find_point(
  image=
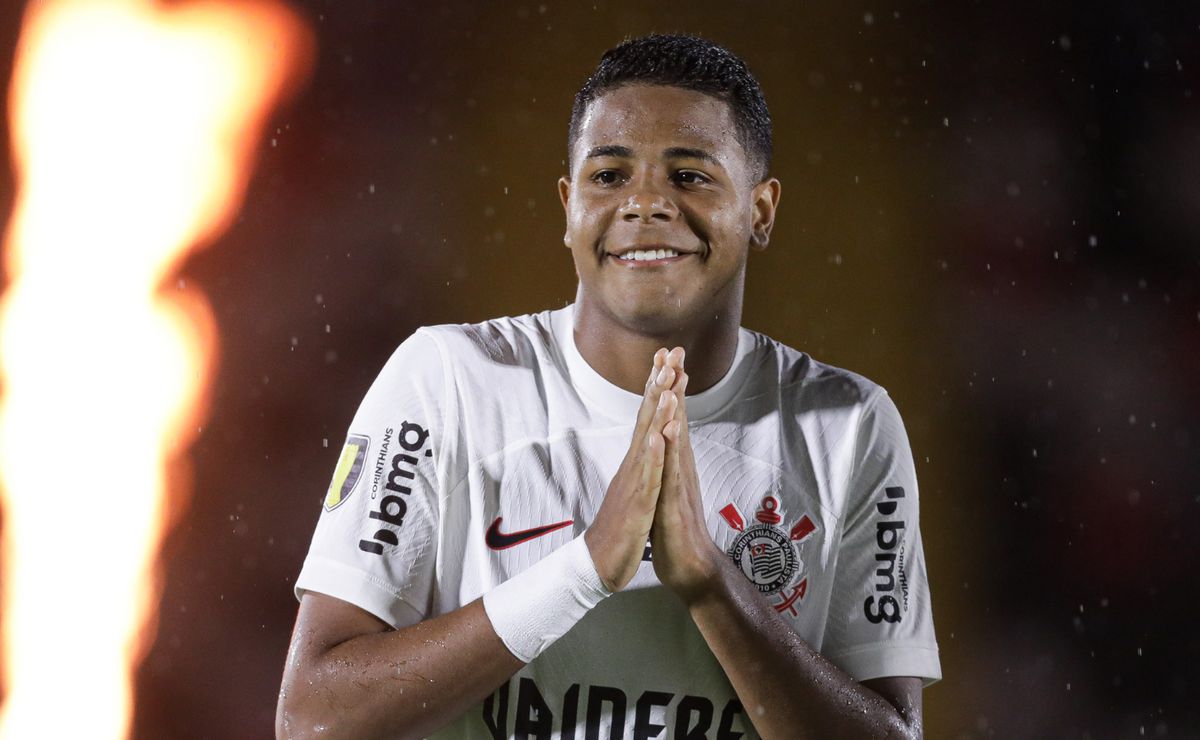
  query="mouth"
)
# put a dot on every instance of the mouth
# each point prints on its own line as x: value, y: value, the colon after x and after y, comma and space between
x: 648, y: 256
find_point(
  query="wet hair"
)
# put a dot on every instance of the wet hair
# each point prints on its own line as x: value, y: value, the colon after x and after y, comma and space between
x: 691, y: 63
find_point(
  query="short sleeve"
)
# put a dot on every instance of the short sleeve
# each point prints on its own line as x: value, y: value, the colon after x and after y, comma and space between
x: 375, y: 543
x: 880, y: 621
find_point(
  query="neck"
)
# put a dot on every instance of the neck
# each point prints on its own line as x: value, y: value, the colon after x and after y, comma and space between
x: 623, y: 355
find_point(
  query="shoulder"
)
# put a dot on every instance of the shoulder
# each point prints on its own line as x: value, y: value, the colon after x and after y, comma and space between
x: 507, y: 340
x: 807, y: 382
x: 514, y: 354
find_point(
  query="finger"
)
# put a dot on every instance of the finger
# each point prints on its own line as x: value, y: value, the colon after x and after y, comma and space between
x: 664, y: 411
x: 666, y: 509
x: 668, y: 403
x: 681, y: 433
x: 661, y: 378
x: 675, y: 358
x: 652, y: 463
x: 671, y: 435
x: 656, y: 364
x: 680, y: 390
x: 652, y: 467
x: 677, y: 458
x: 680, y: 383
x: 671, y: 429
x: 671, y: 454
x: 649, y: 399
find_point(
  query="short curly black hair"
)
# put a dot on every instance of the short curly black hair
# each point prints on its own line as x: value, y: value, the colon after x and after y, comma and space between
x: 692, y: 63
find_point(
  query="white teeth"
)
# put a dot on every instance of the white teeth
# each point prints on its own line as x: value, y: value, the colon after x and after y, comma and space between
x: 649, y: 254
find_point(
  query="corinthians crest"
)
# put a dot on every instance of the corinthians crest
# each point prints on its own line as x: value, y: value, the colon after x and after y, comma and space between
x: 765, y: 551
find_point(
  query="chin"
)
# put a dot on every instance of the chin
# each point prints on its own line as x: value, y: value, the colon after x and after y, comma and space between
x: 653, y: 319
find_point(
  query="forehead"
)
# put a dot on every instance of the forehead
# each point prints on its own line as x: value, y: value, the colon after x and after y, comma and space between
x: 657, y: 117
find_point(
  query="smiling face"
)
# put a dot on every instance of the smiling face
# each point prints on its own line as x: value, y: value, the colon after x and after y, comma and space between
x: 661, y: 210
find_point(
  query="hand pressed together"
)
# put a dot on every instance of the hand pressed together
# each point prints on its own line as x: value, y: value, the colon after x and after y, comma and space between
x: 685, y: 557
x: 655, y: 494
x: 617, y: 537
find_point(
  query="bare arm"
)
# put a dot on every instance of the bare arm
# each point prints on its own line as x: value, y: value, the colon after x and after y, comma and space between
x: 787, y: 688
x: 348, y: 674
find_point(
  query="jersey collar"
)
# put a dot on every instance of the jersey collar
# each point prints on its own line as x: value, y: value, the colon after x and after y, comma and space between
x: 620, y: 404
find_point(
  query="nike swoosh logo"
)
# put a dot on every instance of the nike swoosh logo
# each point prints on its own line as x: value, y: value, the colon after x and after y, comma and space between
x: 498, y: 540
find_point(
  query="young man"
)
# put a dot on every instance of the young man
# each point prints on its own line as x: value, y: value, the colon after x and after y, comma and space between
x: 527, y: 537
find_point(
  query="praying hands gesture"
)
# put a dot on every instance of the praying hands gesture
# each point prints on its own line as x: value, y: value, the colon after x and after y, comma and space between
x: 685, y: 557
x: 656, y: 495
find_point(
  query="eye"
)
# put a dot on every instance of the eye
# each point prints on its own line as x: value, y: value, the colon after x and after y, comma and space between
x: 606, y: 177
x: 691, y: 177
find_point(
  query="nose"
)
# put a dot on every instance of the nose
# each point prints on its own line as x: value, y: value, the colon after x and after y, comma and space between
x: 647, y: 204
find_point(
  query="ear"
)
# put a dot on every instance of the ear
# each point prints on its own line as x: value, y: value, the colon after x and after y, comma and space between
x: 564, y: 194
x: 564, y: 191
x: 765, y: 199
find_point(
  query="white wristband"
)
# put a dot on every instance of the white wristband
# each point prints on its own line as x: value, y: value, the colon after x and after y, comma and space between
x: 538, y: 605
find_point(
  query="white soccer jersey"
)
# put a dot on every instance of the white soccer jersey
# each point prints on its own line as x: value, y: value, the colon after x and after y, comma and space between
x: 481, y: 449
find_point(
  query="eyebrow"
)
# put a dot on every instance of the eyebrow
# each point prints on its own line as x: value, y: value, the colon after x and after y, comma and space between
x: 675, y: 152
x: 682, y: 152
x: 611, y: 150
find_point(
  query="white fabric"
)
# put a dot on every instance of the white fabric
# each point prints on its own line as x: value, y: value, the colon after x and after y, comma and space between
x: 534, y: 608
x: 801, y: 465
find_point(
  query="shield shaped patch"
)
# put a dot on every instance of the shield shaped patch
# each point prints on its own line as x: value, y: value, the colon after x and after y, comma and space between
x: 348, y: 471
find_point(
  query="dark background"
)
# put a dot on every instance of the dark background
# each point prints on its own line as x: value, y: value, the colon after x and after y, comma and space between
x: 993, y: 210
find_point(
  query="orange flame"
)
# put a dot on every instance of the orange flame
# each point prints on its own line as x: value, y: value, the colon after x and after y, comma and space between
x: 134, y: 127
